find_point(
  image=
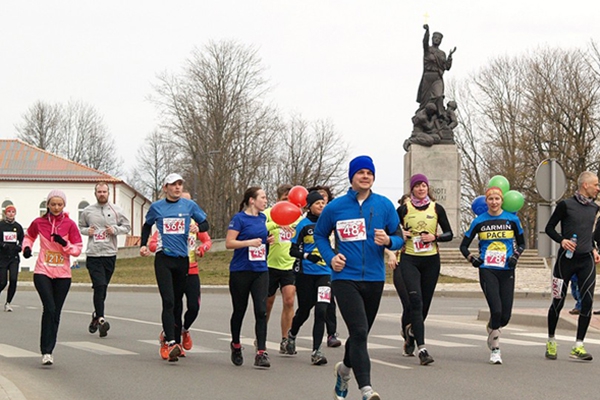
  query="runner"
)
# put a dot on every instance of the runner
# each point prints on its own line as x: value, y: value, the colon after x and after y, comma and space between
x: 247, y: 235
x: 172, y: 217
x: 11, y: 240
x: 501, y: 243
x: 313, y: 280
x: 101, y: 222
x: 331, y: 318
x: 420, y: 261
x: 364, y: 223
x: 393, y: 258
x: 59, y: 239
x: 192, y: 285
x: 281, y: 269
x: 576, y: 216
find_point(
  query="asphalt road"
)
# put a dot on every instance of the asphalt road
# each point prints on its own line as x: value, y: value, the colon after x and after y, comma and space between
x: 126, y: 364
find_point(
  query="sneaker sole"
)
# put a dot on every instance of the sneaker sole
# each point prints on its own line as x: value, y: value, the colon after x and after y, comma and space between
x: 104, y: 329
x: 174, y: 354
x: 320, y: 362
x: 574, y: 357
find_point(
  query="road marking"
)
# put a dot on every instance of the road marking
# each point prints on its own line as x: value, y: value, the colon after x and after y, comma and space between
x: 194, y: 350
x: 433, y: 342
x: 97, y: 348
x: 387, y: 364
x: 502, y: 339
x: 9, y: 351
x: 557, y: 337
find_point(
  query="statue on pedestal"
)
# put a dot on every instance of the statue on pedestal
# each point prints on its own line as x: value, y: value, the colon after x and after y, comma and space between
x: 433, y: 123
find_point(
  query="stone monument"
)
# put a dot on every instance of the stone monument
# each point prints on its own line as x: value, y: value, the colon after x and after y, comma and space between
x: 431, y: 149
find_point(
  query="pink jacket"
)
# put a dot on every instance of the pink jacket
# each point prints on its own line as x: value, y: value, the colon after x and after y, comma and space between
x: 54, y: 259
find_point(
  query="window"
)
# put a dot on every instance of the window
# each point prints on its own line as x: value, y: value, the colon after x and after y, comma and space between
x: 81, y: 207
x: 43, y: 208
x: 5, y: 204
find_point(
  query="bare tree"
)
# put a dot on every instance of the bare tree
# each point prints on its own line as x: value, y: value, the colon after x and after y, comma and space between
x: 155, y: 159
x: 75, y: 131
x: 518, y: 111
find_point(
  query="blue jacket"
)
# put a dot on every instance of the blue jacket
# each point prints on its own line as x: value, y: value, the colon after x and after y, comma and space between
x: 354, y: 225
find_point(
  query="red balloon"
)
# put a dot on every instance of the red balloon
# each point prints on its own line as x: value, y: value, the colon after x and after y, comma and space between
x: 285, y: 213
x: 297, y: 196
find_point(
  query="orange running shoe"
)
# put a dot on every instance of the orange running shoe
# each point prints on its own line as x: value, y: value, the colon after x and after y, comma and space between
x: 182, y: 354
x: 186, y: 340
x: 164, y: 350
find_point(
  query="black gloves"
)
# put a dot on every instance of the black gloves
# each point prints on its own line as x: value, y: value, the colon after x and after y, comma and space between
x: 314, y: 258
x: 27, y: 252
x: 476, y: 262
x: 58, y: 239
x: 512, y: 261
x: 18, y: 248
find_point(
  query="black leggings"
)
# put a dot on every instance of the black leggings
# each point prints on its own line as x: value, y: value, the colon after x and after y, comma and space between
x: 9, y: 267
x: 171, y: 276
x: 307, y: 291
x: 358, y: 303
x: 404, y: 299
x: 420, y: 274
x: 241, y: 285
x: 192, y: 298
x: 583, y: 266
x: 498, y: 287
x: 101, y: 270
x: 331, y: 319
x: 53, y: 293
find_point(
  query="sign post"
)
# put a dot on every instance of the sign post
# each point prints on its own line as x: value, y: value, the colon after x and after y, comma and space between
x: 551, y: 183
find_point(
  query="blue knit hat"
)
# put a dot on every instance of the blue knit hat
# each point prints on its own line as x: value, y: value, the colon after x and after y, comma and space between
x: 360, y: 162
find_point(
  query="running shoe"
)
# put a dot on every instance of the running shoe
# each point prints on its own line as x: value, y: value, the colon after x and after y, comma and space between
x: 579, y: 353
x: 164, y: 350
x: 262, y: 360
x: 283, y: 346
x: 371, y: 395
x: 174, y: 352
x: 333, y: 341
x: 182, y: 354
x: 495, y: 357
x: 7, y: 307
x: 551, y: 350
x: 290, y: 346
x: 574, y: 311
x: 318, y: 358
x: 236, y: 355
x: 94, y: 324
x: 424, y: 357
x: 47, y: 359
x: 341, y: 383
x: 103, y: 326
x: 186, y: 339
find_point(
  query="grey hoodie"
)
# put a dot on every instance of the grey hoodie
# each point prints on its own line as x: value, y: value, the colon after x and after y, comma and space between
x: 101, y: 244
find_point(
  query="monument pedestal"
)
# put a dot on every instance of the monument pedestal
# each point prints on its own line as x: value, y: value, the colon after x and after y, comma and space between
x: 441, y: 164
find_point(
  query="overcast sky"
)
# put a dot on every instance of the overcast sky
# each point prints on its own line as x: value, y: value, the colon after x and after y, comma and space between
x: 355, y: 63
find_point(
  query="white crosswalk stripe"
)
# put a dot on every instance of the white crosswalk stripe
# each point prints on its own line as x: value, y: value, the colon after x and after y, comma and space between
x: 557, y: 337
x: 194, y: 350
x: 9, y: 351
x: 433, y: 342
x: 97, y: 348
x: 503, y: 340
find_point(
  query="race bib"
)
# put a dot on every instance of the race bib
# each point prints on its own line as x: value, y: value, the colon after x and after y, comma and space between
x: 351, y: 230
x: 495, y: 258
x: 10, y: 237
x: 100, y: 236
x: 285, y: 236
x: 257, y: 253
x: 174, y: 226
x: 54, y: 259
x: 324, y: 294
x: 420, y: 246
x: 557, y: 286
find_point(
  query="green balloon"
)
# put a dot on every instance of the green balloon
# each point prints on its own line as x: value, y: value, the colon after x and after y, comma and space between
x: 500, y: 182
x: 513, y: 201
